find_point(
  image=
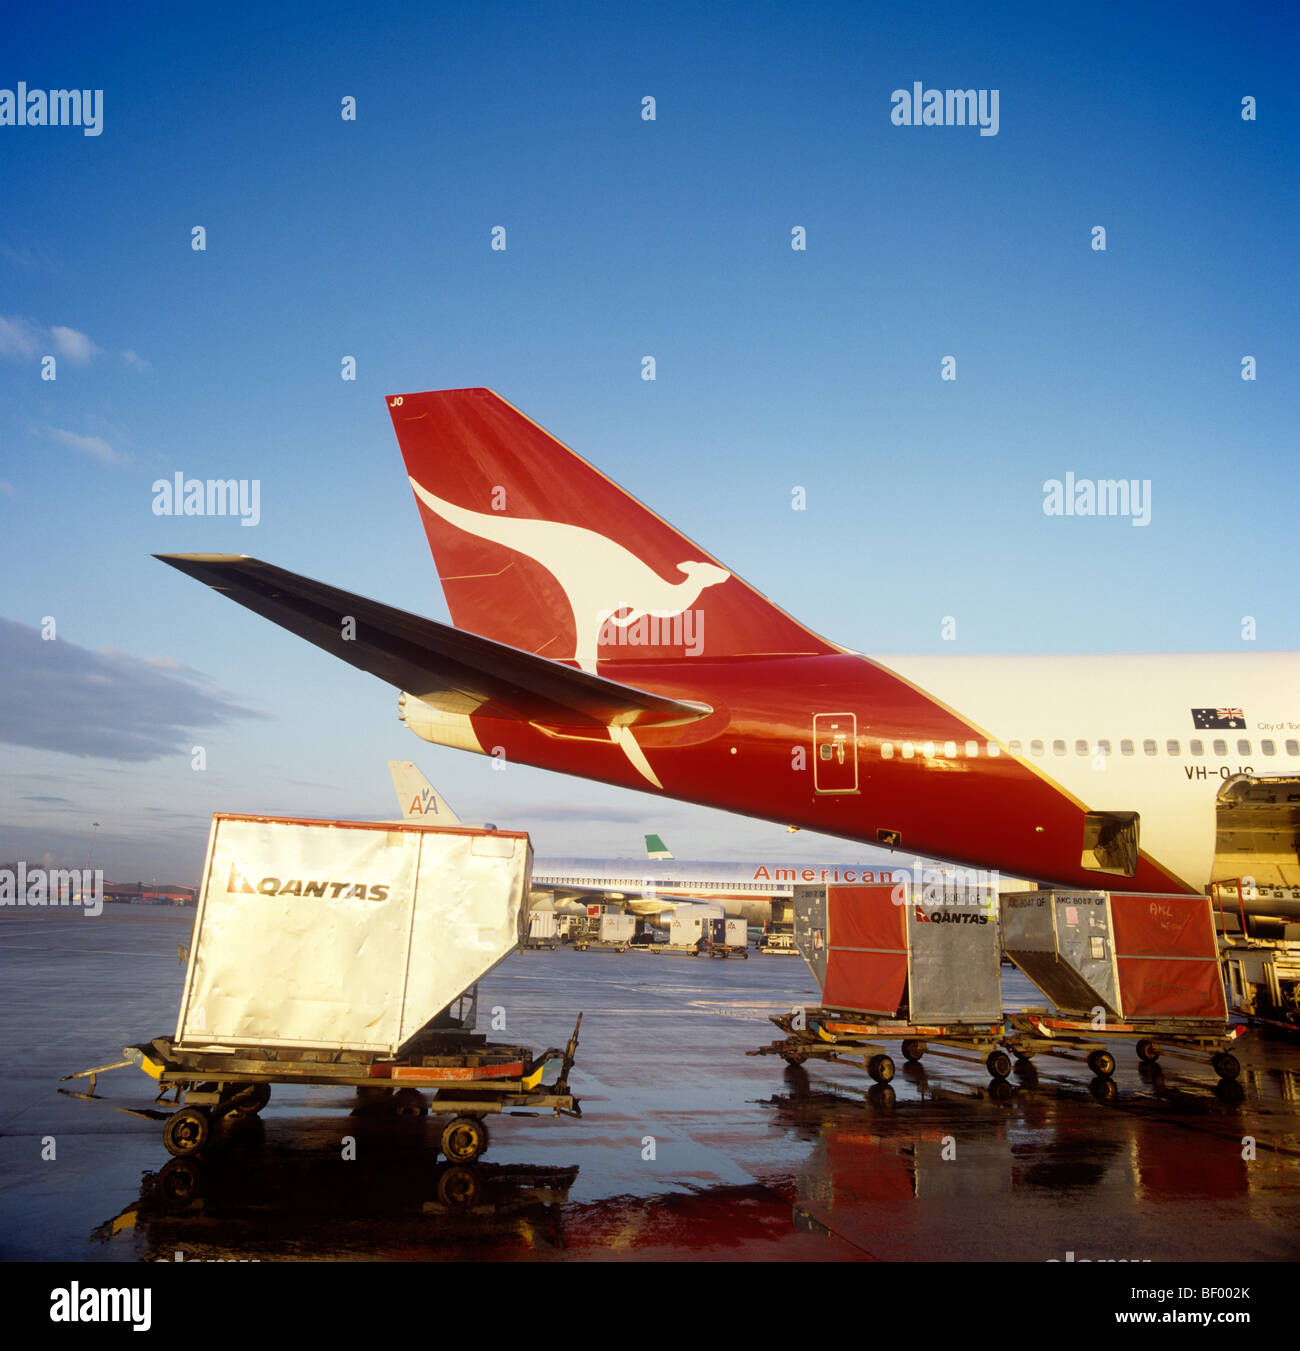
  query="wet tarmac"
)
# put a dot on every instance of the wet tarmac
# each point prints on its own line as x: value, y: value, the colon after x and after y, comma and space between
x: 687, y: 1146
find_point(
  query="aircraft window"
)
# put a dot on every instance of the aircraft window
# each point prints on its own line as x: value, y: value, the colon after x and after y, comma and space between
x: 886, y: 750
x: 1220, y: 746
x: 1243, y: 748
x: 908, y: 750
x: 1126, y: 747
x: 1173, y: 748
x: 1058, y: 747
x: 1196, y: 747
x: 1268, y: 747
x: 1103, y: 748
x: 1014, y: 747
x: 928, y: 750
x: 1081, y: 748
x: 826, y: 751
x: 1035, y: 748
x: 972, y: 748
x: 993, y: 749
x: 950, y: 749
x: 1149, y: 747
x: 1293, y: 747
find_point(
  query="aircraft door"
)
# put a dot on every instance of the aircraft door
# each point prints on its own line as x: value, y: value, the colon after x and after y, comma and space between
x: 835, y: 752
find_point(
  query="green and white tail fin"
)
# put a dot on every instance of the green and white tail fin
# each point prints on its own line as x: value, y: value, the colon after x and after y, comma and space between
x: 655, y: 847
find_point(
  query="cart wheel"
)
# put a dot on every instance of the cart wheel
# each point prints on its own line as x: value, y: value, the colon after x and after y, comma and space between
x: 458, y: 1188
x: 999, y: 1064
x: 1148, y: 1051
x: 186, y: 1132
x: 881, y: 1068
x: 913, y: 1049
x: 1226, y: 1064
x: 464, y: 1139
x: 1101, y: 1063
x: 409, y: 1102
x: 793, y: 1057
x: 252, y: 1100
x: 180, y: 1181
x: 882, y: 1096
x: 1230, y: 1092
x: 1104, y: 1090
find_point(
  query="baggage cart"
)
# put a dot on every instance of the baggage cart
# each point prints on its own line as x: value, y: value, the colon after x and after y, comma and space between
x: 916, y: 964
x: 347, y: 953
x: 1118, y: 965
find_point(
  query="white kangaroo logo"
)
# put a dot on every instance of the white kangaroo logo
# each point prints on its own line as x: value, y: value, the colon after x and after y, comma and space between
x: 589, y: 568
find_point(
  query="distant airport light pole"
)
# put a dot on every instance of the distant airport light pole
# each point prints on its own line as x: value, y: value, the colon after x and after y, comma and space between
x: 94, y: 827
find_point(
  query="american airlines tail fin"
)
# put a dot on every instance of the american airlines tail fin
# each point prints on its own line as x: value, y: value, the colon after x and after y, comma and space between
x: 418, y: 799
x: 537, y: 549
x: 655, y: 847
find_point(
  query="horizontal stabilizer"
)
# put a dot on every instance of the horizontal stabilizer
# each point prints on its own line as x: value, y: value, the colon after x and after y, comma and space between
x: 446, y: 667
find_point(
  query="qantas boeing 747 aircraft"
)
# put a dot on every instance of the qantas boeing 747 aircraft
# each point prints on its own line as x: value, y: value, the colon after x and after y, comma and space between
x: 592, y: 638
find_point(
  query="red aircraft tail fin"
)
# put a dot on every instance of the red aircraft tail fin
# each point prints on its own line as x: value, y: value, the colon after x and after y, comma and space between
x: 538, y: 549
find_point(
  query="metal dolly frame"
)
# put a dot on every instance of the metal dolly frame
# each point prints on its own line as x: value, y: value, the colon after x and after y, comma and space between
x: 214, y: 1084
x: 830, y: 1035
x: 1041, y: 1032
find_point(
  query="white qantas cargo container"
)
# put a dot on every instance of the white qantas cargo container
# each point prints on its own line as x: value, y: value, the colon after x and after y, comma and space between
x: 345, y: 934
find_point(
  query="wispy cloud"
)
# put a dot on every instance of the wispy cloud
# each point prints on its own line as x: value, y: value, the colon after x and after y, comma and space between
x: 73, y: 345
x: 23, y: 339
x: 107, y: 705
x: 19, y: 339
x: 87, y: 445
x: 8, y: 490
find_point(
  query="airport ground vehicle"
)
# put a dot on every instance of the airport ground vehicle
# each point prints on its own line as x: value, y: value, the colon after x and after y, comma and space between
x: 896, y: 964
x: 1121, y: 966
x: 347, y: 953
x: 921, y: 965
x: 542, y: 931
x: 725, y: 938
x: 468, y: 1078
x: 612, y: 932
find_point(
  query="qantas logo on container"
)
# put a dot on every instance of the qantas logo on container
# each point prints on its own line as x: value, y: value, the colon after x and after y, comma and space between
x: 943, y: 917
x: 294, y: 886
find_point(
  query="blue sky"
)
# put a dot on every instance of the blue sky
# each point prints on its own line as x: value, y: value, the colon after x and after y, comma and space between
x: 625, y: 238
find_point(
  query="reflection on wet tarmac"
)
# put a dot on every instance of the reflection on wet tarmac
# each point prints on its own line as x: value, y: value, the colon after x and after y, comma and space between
x: 252, y: 1202
x: 688, y: 1147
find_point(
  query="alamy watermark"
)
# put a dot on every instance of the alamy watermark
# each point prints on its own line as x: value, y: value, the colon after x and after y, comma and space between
x: 921, y: 107
x: 652, y: 628
x: 1098, y: 497
x: 945, y: 886
x: 53, y: 886
x: 181, y: 496
x: 23, y: 107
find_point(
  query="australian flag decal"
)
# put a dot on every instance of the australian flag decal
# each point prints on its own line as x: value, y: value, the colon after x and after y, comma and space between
x: 1228, y: 719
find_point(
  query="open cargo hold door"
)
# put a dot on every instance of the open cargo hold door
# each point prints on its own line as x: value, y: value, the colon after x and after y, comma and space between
x: 1257, y: 849
x: 1167, y: 957
x: 866, y: 950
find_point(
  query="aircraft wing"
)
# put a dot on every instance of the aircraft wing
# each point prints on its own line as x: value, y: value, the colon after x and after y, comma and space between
x: 446, y: 667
